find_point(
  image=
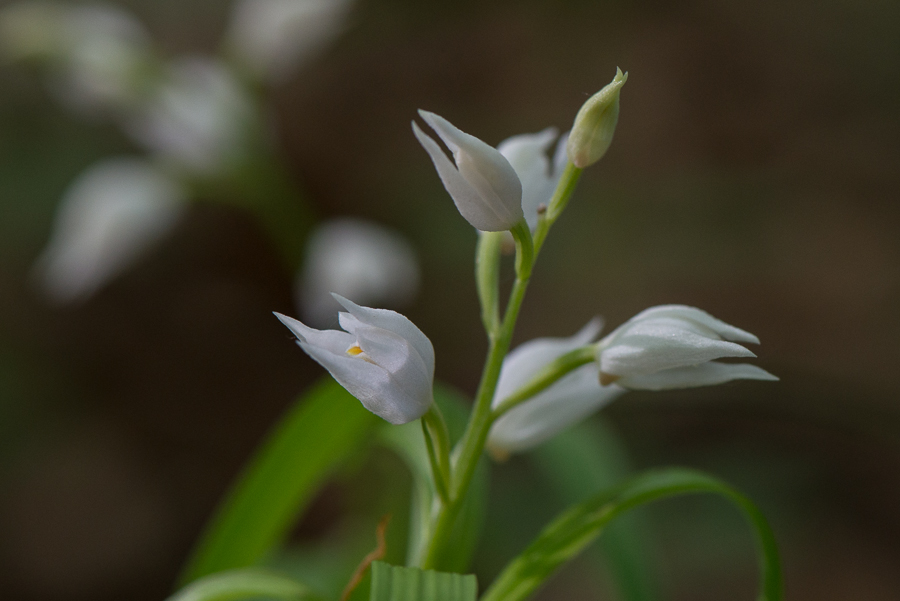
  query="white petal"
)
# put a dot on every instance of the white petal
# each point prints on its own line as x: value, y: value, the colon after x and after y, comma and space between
x: 523, y: 362
x: 567, y: 402
x: 371, y: 384
x: 396, y: 323
x: 360, y: 260
x: 496, y: 185
x: 724, y: 330
x: 271, y: 37
x: 106, y: 220
x: 662, y: 343
x: 706, y: 374
x: 334, y: 341
x: 527, y: 153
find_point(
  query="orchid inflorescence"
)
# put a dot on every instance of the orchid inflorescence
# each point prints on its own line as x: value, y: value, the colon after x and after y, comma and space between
x: 546, y: 385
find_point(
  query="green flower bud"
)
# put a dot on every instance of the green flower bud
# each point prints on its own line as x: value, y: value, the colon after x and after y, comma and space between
x: 595, y: 123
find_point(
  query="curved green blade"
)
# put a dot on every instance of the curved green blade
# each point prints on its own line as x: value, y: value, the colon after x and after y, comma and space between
x: 250, y: 583
x: 324, y: 427
x: 566, y: 536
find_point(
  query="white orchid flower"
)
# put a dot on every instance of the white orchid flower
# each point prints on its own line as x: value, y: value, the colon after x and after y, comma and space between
x: 566, y: 402
x: 272, y: 37
x: 96, y: 54
x: 360, y: 260
x: 527, y: 153
x: 198, y: 118
x: 482, y: 183
x: 382, y: 359
x: 108, y: 217
x: 674, y: 346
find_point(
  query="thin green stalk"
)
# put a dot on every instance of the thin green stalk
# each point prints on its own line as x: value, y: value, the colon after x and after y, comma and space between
x: 437, y: 441
x: 470, y: 448
x: 551, y: 372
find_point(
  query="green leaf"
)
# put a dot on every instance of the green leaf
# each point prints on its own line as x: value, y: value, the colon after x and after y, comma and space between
x: 323, y: 428
x: 409, y: 443
x: 581, y: 462
x: 251, y: 583
x: 566, y: 536
x: 394, y: 583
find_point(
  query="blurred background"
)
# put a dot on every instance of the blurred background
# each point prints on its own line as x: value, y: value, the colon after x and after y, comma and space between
x: 754, y: 174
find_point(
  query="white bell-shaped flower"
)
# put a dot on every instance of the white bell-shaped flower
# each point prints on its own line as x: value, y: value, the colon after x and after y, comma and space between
x: 381, y: 358
x: 566, y: 402
x: 482, y: 183
x: 199, y: 118
x: 271, y: 37
x: 360, y: 260
x: 527, y: 153
x: 674, y: 346
x: 108, y: 217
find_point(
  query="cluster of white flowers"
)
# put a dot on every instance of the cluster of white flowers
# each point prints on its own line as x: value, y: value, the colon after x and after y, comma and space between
x: 389, y: 367
x: 196, y: 117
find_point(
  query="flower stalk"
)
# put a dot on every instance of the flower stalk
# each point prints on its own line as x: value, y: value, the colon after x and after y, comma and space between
x: 470, y: 448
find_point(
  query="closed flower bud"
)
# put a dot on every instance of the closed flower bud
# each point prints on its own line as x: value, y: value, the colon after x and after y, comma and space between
x: 674, y: 346
x: 482, y: 183
x: 595, y: 124
x: 566, y: 402
x: 381, y: 358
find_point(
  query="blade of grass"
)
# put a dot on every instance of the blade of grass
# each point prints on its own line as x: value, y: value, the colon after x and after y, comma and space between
x: 324, y: 427
x: 567, y: 536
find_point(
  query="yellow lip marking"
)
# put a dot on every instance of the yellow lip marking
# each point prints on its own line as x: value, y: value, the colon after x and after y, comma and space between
x: 354, y: 350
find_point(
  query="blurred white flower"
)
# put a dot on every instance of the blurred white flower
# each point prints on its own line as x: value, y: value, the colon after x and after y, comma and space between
x: 272, y: 37
x: 359, y: 260
x: 674, y: 346
x: 199, y: 117
x: 382, y: 359
x: 566, y: 402
x: 527, y: 153
x: 482, y: 184
x: 96, y: 54
x: 108, y: 217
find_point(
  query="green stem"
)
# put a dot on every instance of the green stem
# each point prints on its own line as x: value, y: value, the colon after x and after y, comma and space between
x: 470, y: 448
x: 487, y: 279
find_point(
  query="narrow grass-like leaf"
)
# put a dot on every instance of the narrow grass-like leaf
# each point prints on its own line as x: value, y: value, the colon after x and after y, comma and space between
x: 581, y: 462
x: 566, y: 536
x: 249, y: 583
x: 395, y: 583
x: 325, y: 426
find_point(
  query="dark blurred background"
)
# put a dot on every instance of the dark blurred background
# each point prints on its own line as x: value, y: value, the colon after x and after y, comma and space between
x: 754, y: 174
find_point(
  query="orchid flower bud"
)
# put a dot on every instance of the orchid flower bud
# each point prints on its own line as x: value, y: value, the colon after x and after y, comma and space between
x: 271, y: 37
x: 381, y: 358
x: 566, y: 402
x: 482, y: 183
x: 107, y: 219
x: 527, y: 153
x: 595, y: 124
x: 674, y: 346
x: 359, y: 260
